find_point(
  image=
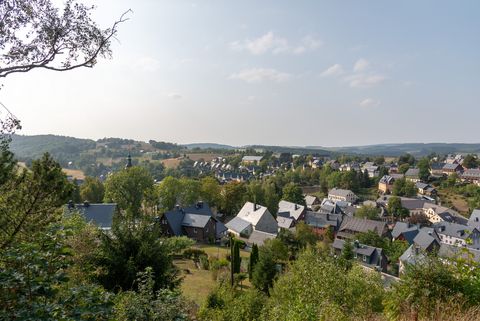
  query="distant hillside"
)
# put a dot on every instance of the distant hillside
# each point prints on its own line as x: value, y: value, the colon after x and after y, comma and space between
x: 209, y: 146
x: 416, y: 149
x: 32, y: 147
x: 293, y: 149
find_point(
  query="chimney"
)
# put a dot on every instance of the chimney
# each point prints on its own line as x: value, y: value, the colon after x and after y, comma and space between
x: 254, y: 207
x: 71, y: 205
x: 199, y: 204
x: 356, y: 244
x: 86, y: 203
x: 417, y: 250
x: 296, y: 207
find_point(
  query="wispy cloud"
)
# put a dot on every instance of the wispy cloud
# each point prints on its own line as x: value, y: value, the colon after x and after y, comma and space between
x: 361, y: 65
x: 147, y: 64
x: 364, y: 80
x: 271, y: 43
x: 174, y: 95
x: 369, y: 102
x: 335, y: 70
x: 258, y: 75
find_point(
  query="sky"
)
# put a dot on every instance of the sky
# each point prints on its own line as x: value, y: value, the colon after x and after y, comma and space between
x: 290, y: 73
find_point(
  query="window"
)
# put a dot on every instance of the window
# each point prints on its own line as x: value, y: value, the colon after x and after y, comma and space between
x: 355, y: 255
x: 194, y: 231
x: 364, y: 258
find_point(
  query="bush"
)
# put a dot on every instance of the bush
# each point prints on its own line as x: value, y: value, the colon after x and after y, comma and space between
x: 193, y: 253
x: 204, y: 263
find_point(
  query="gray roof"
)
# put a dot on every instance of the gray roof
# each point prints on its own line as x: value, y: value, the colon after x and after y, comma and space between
x: 285, y: 222
x: 426, y: 237
x: 252, y: 158
x: 473, y: 173
x: 374, y: 253
x: 410, y: 257
x: 294, y: 210
x: 340, y: 192
x: 453, y: 229
x: 237, y: 224
x: 310, y: 200
x: 386, y: 179
x: 451, y: 166
x: 474, y: 220
x: 412, y: 204
x: 408, y: 231
x: 259, y: 237
x: 412, y: 172
x: 363, y: 225
x: 323, y: 220
x: 100, y: 214
x: 452, y: 251
x: 195, y: 220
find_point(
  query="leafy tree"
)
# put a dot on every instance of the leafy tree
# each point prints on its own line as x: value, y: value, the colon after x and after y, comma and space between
x: 293, y: 193
x: 314, y: 288
x: 253, y: 260
x: 92, y: 190
x: 56, y: 39
x: 305, y: 235
x: 368, y: 211
x: 470, y: 161
x: 395, y: 207
x: 406, y: 159
x: 402, y: 169
x: 373, y: 239
x: 271, y: 197
x: 395, y: 249
x: 30, y: 200
x: 403, y: 187
x: 255, y: 193
x: 424, y: 169
x: 190, y: 191
x: 347, y: 254
x: 233, y: 195
x: 131, y: 189
x: 146, y: 304
x: 210, y: 191
x: 168, y: 192
x: 380, y: 160
x: 235, y: 257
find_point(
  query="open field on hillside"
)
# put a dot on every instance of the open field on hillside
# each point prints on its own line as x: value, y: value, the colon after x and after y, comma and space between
x: 171, y: 162
x: 75, y: 173
x: 205, y: 156
x: 454, y: 200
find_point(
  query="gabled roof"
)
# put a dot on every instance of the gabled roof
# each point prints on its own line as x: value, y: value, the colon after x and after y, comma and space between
x: 259, y: 237
x: 100, y: 214
x: 451, y: 167
x: 473, y: 173
x: 401, y: 228
x: 363, y: 225
x: 237, y: 224
x: 426, y: 237
x: 310, y: 200
x: 196, y: 215
x: 386, y: 179
x: 340, y: 192
x: 360, y: 249
x: 294, y: 210
x: 412, y: 172
x: 436, y: 166
x: 452, y: 251
x: 474, y: 220
x: 322, y: 220
x: 452, y: 229
x: 285, y: 222
x: 252, y: 213
x: 195, y: 220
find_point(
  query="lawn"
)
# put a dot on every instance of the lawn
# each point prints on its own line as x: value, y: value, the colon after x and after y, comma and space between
x: 219, y: 251
x: 454, y: 200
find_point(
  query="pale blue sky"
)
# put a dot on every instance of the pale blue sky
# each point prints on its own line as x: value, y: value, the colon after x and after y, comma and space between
x: 326, y: 73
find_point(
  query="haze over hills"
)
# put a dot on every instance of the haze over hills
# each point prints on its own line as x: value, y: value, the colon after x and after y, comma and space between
x: 34, y: 146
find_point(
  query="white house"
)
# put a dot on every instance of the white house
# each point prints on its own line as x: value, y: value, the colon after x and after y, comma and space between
x: 252, y: 217
x: 337, y: 194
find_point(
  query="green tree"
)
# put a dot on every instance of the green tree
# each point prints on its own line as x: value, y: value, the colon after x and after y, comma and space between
x: 406, y: 159
x: 372, y: 238
x: 368, y: 211
x: 470, y: 161
x: 271, y: 197
x: 210, y: 191
x: 190, y: 190
x: 92, y: 190
x: 168, y: 192
x: 395, y: 207
x: 253, y: 260
x: 233, y: 195
x: 424, y: 169
x: 403, y: 187
x: 265, y: 271
x: 255, y: 193
x: 236, y: 259
x: 293, y: 193
x: 305, y: 235
x: 402, y: 169
x: 30, y: 200
x: 131, y: 189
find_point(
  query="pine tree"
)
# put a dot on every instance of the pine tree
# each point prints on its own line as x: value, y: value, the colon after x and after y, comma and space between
x: 236, y: 257
x: 253, y: 260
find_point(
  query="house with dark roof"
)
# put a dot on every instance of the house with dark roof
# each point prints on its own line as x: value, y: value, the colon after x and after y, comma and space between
x: 352, y: 225
x: 372, y: 257
x: 425, y: 189
x: 436, y: 169
x: 338, y: 194
x: 385, y: 184
x: 449, y: 169
x: 471, y: 175
x: 311, y: 201
x: 413, y: 175
x: 196, y: 222
x: 458, y: 234
x: 289, y: 214
x: 474, y: 220
x: 322, y: 222
x: 405, y: 232
x: 100, y: 214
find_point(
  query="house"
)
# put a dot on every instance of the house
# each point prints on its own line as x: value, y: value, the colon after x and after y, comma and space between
x: 436, y: 169
x: 454, y: 168
x: 385, y: 184
x: 196, y: 222
x: 413, y: 175
x: 425, y: 189
x: 471, y: 175
x: 454, y: 159
x: 437, y: 213
x: 321, y: 222
x: 474, y: 220
x: 259, y: 238
x: 337, y: 194
x: 458, y: 235
x: 351, y: 226
x: 372, y: 257
x: 100, y: 214
x: 251, y: 159
x: 311, y: 201
x: 252, y: 217
x: 403, y: 231
x: 289, y: 209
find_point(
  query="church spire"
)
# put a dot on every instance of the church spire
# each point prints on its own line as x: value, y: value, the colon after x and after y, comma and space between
x: 129, y: 161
